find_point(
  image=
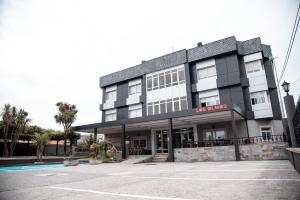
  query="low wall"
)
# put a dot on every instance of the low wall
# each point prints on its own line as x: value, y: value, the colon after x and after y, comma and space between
x: 276, y: 151
x: 294, y: 157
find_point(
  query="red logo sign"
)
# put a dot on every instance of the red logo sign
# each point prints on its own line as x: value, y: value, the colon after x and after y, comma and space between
x: 212, y: 108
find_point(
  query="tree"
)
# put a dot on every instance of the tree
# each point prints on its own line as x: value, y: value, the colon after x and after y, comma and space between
x: 20, y: 122
x: 66, y: 116
x: 40, y: 140
x: 8, y: 114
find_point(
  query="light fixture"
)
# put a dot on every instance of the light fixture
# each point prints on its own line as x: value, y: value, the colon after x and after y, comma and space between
x: 286, y: 87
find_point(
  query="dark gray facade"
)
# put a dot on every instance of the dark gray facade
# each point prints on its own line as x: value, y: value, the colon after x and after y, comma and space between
x: 232, y: 81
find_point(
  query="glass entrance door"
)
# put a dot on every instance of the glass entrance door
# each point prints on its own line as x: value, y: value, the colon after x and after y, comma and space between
x: 161, y: 141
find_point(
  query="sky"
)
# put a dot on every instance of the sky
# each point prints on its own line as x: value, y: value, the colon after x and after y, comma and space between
x: 56, y: 50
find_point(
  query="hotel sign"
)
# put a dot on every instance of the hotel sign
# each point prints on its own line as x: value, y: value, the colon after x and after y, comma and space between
x: 212, y: 108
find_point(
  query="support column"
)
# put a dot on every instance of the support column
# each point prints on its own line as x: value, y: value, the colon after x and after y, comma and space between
x: 123, y: 142
x: 290, y: 111
x: 95, y: 135
x: 234, y: 130
x: 170, y: 141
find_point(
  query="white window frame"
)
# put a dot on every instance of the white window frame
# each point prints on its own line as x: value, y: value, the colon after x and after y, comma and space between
x: 112, y: 113
x: 254, y: 95
x: 251, y: 64
x: 137, y: 89
x: 206, y: 69
x: 111, y: 90
x: 261, y: 132
x: 135, y: 111
x: 216, y: 102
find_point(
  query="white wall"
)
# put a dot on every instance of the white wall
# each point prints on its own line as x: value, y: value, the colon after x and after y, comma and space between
x: 255, y: 125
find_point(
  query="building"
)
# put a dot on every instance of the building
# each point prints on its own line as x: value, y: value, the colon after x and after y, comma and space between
x: 217, y: 92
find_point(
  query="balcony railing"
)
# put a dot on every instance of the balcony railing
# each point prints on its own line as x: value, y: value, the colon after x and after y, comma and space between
x: 241, y: 141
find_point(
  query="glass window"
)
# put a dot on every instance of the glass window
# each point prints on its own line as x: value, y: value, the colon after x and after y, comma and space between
x: 183, y: 103
x: 135, y: 111
x: 135, y: 89
x: 110, y: 115
x: 181, y: 76
x: 257, y: 98
x: 149, y: 83
x: 162, y: 106
x: 209, y: 101
x: 169, y: 105
x: 174, y: 77
x: 266, y: 132
x: 155, y: 82
x: 156, y: 107
x: 206, y: 72
x: 150, y: 108
x: 215, y: 135
x: 168, y: 79
x: 111, y: 95
x: 176, y: 104
x: 161, y: 80
x: 253, y: 66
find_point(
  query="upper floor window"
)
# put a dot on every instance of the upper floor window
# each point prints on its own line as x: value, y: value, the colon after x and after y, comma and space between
x: 135, y: 111
x: 111, y: 94
x: 253, y: 66
x: 166, y: 78
x: 209, y: 101
x: 258, y: 97
x: 110, y: 115
x: 206, y: 72
x: 169, y: 105
x: 135, y: 89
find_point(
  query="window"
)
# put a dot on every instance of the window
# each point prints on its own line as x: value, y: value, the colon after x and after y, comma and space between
x: 156, y: 107
x: 174, y: 77
x: 257, y: 98
x: 161, y: 80
x: 181, y: 76
x: 150, y: 108
x: 135, y: 89
x: 206, y: 72
x: 266, y: 132
x: 209, y: 101
x: 168, y: 79
x: 139, y: 143
x: 110, y: 115
x: 183, y: 103
x: 162, y: 106
x: 111, y: 95
x: 135, y: 111
x: 149, y: 83
x: 169, y: 105
x: 176, y: 104
x: 155, y: 82
x: 215, y: 135
x: 253, y: 66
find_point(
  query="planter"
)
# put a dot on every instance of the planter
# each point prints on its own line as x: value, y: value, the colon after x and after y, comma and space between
x: 95, y: 162
x: 71, y: 162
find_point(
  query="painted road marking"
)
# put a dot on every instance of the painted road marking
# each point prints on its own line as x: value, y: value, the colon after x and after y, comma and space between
x: 119, y: 194
x: 211, y: 179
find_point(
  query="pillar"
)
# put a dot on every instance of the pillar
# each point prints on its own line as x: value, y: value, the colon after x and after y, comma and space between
x: 95, y: 135
x: 234, y: 131
x: 123, y: 142
x: 170, y: 141
x: 290, y: 111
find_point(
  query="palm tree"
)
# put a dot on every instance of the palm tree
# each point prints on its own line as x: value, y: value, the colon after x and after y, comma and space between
x: 8, y: 117
x: 20, y: 121
x: 40, y: 140
x: 66, y: 116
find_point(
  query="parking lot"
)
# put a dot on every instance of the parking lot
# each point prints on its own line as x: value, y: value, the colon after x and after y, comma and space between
x: 170, y: 181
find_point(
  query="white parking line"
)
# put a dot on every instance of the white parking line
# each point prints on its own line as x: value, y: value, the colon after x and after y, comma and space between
x: 211, y: 179
x: 119, y: 194
x: 225, y: 170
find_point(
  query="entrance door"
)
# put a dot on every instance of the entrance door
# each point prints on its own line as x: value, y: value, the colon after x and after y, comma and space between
x: 161, y: 141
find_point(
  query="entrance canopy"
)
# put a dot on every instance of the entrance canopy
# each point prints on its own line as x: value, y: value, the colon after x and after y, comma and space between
x: 160, y: 121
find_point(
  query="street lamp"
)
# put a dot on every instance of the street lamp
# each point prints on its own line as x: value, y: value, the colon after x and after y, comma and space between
x: 286, y: 87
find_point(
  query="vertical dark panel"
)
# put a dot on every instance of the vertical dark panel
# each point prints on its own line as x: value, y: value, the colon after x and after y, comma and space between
x: 275, y: 104
x: 122, y: 113
x: 122, y: 93
x: 234, y: 131
x: 95, y: 134
x: 188, y: 85
x: 123, y: 143
x: 143, y: 97
x: 170, y: 142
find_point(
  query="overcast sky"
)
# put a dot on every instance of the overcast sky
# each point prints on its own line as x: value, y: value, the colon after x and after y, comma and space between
x: 56, y: 50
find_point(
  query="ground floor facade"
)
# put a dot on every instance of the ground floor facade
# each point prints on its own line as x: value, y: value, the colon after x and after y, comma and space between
x: 156, y: 140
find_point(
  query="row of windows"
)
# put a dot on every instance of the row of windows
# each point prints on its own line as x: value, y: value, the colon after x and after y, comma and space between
x: 209, y: 101
x: 169, y: 105
x: 206, y: 72
x: 254, y: 66
x: 133, y: 89
x: 165, y: 79
x: 259, y: 97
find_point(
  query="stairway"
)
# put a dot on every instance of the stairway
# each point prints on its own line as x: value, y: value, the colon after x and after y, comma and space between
x: 160, y: 157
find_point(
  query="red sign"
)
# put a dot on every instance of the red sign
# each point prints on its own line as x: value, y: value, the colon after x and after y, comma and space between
x: 212, y: 108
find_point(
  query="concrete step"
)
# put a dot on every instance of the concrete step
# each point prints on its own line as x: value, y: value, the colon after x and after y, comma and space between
x: 160, y: 157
